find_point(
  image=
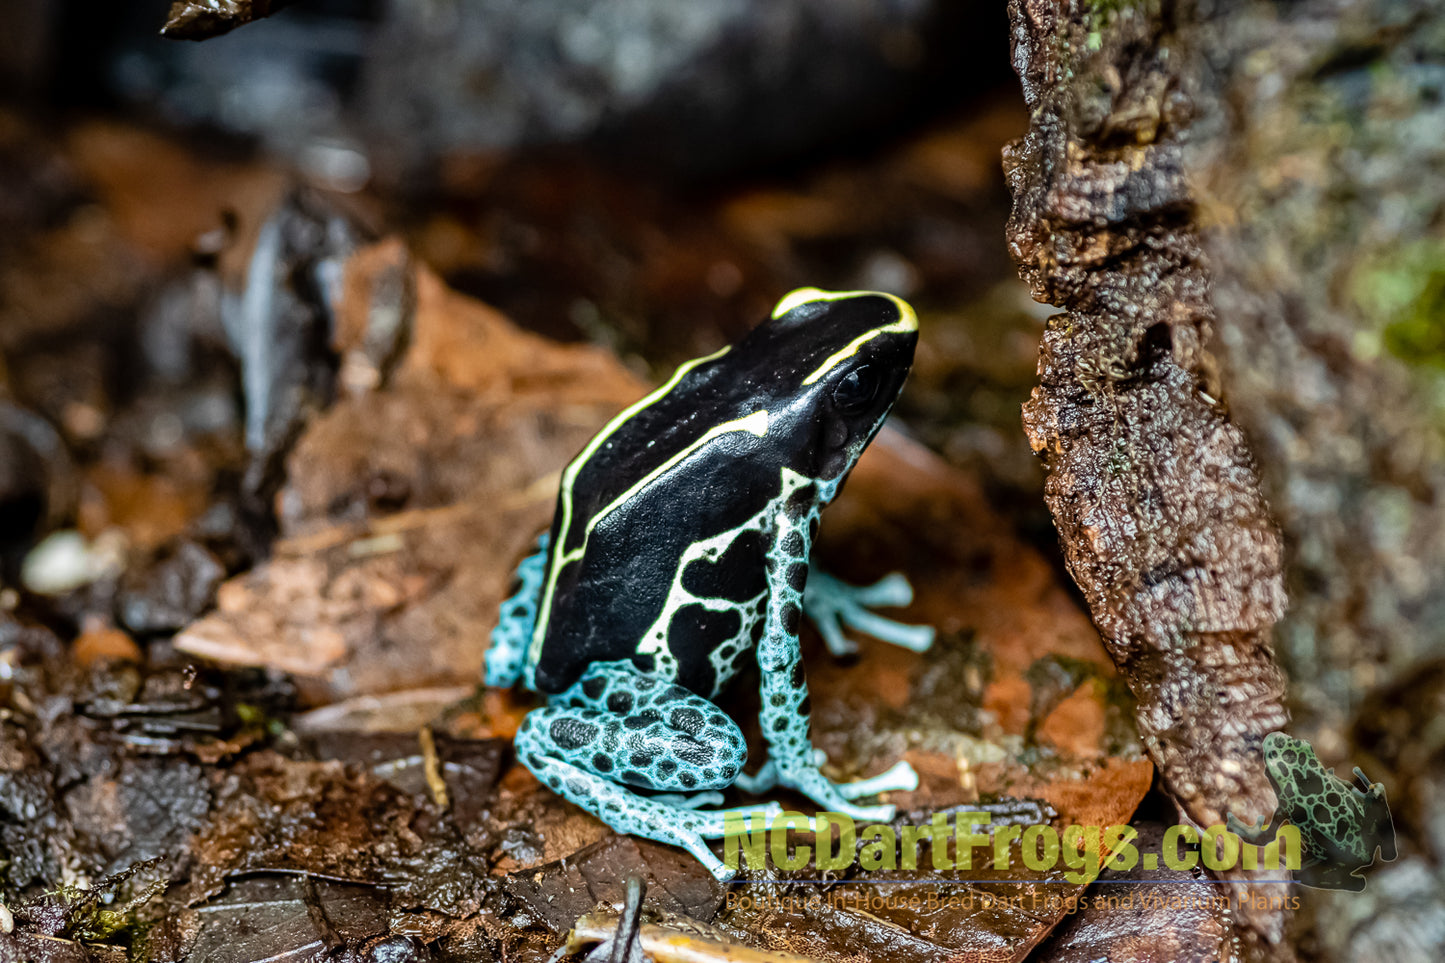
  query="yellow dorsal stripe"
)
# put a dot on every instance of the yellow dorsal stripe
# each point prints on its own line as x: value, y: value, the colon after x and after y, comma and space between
x: 570, y: 476
x: 907, y: 321
x: 802, y: 296
x: 755, y: 423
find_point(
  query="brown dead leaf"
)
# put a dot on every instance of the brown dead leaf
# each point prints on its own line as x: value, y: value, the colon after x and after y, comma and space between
x: 1076, y: 726
x: 160, y: 195
x: 104, y: 642
x: 149, y: 508
x: 401, y: 526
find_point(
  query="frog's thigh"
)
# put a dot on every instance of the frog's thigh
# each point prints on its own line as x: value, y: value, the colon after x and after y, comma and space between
x: 630, y: 728
x: 513, y: 634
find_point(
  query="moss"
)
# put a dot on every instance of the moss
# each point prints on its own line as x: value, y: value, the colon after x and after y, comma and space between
x: 1401, y: 294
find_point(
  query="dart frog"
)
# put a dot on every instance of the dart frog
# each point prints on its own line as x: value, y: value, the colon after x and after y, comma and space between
x: 1340, y: 824
x: 679, y: 550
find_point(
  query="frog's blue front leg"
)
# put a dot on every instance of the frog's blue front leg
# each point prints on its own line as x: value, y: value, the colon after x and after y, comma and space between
x: 1258, y: 834
x: 786, y: 705
x: 829, y: 601
x: 616, y: 725
x: 507, y: 656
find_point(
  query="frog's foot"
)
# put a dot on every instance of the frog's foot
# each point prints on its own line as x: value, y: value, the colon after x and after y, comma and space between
x: 627, y: 812
x: 759, y: 782
x: 1326, y: 875
x: 900, y: 777
x: 1252, y: 834
x: 507, y: 657
x: 831, y: 603
x: 684, y: 801
x: 803, y: 774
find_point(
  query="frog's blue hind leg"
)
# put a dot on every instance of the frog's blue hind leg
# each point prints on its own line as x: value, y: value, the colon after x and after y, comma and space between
x: 786, y: 705
x: 615, y: 725
x: 508, y: 653
x: 829, y: 601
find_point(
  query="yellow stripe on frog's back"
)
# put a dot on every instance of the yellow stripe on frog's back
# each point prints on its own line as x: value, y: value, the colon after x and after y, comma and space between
x: 907, y: 321
x: 569, y: 477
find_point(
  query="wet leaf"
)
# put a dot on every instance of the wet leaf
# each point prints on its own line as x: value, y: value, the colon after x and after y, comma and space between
x: 559, y: 893
x: 200, y: 19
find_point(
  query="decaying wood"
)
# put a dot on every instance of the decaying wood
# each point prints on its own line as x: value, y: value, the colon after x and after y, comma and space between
x: 1152, y: 486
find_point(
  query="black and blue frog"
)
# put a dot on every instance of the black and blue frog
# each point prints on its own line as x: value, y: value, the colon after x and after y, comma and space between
x: 1340, y: 824
x: 680, y: 550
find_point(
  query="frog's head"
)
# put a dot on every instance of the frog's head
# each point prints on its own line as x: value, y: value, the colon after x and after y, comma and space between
x: 1286, y: 759
x: 835, y: 363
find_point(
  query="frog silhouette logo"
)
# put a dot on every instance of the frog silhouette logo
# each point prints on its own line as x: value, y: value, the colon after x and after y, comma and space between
x: 1341, y: 824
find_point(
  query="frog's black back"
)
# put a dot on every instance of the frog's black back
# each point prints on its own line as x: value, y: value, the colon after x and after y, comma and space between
x: 683, y: 467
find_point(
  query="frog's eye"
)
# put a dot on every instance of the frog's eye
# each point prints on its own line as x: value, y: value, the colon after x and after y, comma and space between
x: 856, y: 391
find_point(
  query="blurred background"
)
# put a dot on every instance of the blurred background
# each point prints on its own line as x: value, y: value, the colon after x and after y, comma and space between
x: 648, y: 176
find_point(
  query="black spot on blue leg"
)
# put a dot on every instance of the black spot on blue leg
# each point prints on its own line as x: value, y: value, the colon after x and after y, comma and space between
x: 798, y: 576
x: 602, y: 762
x: 620, y: 703
x: 795, y: 676
x: 692, y: 753
x: 594, y: 687
x: 686, y: 719
x: 569, y: 733
x: 791, y: 618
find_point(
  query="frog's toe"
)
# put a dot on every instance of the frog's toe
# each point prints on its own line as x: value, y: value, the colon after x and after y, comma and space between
x: 685, y: 801
x: 759, y: 782
x: 901, y: 777
x: 1249, y: 833
x: 871, y: 814
x: 831, y: 603
x: 893, y: 589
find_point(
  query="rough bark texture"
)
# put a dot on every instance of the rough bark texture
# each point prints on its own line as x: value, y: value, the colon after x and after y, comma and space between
x: 1152, y: 486
x: 1241, y: 204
